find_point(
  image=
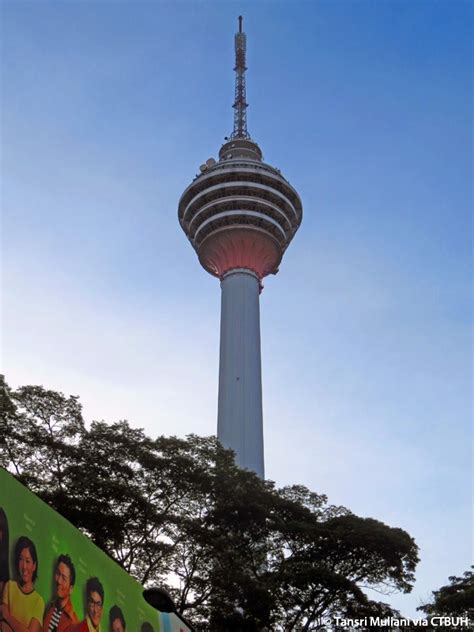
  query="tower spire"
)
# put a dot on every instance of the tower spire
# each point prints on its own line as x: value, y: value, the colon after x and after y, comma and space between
x: 240, y: 103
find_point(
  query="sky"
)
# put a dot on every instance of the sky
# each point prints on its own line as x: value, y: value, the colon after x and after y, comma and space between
x: 107, y: 110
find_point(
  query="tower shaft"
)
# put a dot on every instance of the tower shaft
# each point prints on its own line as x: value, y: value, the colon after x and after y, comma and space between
x: 240, y: 418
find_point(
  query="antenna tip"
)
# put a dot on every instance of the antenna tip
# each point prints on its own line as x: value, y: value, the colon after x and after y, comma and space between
x: 240, y: 23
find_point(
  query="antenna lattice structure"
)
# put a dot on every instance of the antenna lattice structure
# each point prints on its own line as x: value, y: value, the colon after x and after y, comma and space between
x: 240, y: 102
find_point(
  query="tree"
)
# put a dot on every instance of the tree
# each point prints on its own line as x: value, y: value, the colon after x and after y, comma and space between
x: 454, y: 600
x: 236, y: 553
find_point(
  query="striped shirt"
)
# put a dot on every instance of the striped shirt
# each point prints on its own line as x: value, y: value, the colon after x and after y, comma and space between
x: 53, y: 624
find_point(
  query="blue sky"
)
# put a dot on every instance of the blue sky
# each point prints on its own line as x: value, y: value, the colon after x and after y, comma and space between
x: 109, y: 108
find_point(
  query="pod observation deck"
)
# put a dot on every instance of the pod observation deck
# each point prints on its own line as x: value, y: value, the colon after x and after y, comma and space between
x: 240, y: 212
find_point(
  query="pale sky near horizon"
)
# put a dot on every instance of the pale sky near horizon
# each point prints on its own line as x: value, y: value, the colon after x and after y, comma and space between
x: 108, y: 109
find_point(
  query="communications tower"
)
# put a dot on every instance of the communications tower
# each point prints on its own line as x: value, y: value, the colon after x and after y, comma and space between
x: 240, y: 215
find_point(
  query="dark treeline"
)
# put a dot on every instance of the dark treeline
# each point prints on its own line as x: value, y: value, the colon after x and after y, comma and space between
x: 452, y: 604
x: 243, y: 554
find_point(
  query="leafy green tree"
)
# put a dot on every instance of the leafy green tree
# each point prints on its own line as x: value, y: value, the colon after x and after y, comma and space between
x: 236, y: 553
x: 454, y: 600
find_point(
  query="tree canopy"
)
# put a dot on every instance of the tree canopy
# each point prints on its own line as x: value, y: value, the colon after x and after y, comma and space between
x: 236, y: 552
x: 454, y: 600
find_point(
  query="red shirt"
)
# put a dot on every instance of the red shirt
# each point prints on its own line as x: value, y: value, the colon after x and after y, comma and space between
x: 67, y: 618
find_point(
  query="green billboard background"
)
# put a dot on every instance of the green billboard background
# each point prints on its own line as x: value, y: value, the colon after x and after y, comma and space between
x: 53, y: 535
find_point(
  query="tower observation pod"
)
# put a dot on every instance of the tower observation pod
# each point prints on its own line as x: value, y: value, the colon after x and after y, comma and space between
x: 240, y: 215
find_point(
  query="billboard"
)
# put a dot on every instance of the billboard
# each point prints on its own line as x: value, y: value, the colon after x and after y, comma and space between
x: 53, y: 578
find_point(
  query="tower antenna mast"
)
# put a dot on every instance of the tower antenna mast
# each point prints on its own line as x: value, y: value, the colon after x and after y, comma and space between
x: 240, y: 102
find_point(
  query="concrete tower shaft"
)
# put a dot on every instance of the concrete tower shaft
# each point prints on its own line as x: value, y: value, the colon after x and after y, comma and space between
x: 239, y: 416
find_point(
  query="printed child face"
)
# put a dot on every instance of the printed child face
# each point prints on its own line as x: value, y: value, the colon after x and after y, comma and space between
x: 94, y: 607
x: 26, y: 566
x: 117, y: 626
x: 62, y: 579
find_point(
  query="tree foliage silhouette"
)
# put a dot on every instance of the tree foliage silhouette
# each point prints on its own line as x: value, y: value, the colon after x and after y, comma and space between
x: 236, y: 552
x: 454, y: 600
